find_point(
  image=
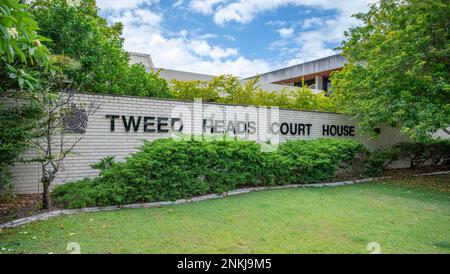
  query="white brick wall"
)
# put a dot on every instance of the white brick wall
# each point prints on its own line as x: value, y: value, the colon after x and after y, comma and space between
x: 99, y: 142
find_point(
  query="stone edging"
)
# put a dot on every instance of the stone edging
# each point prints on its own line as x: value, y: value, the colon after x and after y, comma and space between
x: 56, y: 213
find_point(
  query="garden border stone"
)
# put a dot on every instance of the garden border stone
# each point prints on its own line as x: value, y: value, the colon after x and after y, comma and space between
x: 56, y: 213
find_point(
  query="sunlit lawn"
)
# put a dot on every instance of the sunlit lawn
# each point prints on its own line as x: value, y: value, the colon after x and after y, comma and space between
x: 409, y: 216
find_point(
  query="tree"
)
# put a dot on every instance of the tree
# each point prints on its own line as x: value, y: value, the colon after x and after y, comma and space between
x: 59, y: 129
x: 23, y: 60
x: 79, y: 32
x: 399, y: 67
x: 305, y: 99
x: 189, y: 90
x: 22, y: 55
x: 227, y: 89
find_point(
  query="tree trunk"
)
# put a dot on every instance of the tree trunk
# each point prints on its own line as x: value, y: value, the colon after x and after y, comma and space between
x: 46, y: 200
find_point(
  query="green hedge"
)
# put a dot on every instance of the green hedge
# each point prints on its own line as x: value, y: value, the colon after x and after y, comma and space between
x: 168, y: 170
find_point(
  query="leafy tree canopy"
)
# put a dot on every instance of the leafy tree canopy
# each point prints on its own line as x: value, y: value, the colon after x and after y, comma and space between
x: 228, y: 89
x: 399, y: 66
x: 22, y: 54
x: 79, y: 32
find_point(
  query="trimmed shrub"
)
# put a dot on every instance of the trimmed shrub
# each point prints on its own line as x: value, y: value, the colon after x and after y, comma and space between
x: 317, y: 160
x: 168, y: 170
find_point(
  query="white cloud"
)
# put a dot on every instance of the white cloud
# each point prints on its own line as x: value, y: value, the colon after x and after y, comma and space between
x: 204, y: 6
x: 202, y: 48
x: 122, y: 4
x: 276, y: 23
x: 184, y: 50
x: 207, y: 36
x: 230, y: 37
x: 313, y: 42
x: 286, y: 32
x: 312, y: 22
x: 138, y: 17
x: 240, y: 67
x: 182, y: 53
x: 178, y: 3
x: 244, y: 11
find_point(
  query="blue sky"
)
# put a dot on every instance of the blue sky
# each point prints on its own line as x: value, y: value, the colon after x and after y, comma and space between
x: 239, y: 37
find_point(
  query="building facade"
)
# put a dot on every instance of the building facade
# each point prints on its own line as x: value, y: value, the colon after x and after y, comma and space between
x: 143, y: 59
x: 315, y: 74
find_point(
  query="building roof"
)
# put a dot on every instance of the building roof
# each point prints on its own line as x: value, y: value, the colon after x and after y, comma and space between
x: 326, y: 64
x: 143, y: 59
x: 171, y: 74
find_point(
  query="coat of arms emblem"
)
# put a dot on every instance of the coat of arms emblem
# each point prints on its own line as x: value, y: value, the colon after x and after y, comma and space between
x: 75, y: 119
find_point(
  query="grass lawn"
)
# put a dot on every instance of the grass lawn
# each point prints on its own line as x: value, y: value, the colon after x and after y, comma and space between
x: 403, y: 216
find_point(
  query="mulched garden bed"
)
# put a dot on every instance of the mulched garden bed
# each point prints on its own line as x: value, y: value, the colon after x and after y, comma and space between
x: 22, y: 206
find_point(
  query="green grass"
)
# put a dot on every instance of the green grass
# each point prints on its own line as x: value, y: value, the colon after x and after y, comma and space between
x: 404, y: 216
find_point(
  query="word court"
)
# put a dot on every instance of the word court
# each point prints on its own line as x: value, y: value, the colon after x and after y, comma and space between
x: 152, y: 124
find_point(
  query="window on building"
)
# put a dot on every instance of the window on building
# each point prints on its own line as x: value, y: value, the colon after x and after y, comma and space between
x: 310, y: 83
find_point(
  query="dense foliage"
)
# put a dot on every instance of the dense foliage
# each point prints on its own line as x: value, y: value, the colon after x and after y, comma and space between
x: 229, y: 90
x: 79, y: 32
x: 23, y: 60
x: 16, y: 125
x: 399, y: 67
x: 22, y: 55
x: 167, y: 170
x: 415, y: 155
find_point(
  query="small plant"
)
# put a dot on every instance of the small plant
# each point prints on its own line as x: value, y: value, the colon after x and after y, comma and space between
x: 104, y: 164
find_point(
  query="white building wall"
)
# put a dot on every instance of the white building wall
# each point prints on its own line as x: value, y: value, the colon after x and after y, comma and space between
x: 143, y: 59
x: 99, y: 142
x: 170, y: 74
x: 324, y: 64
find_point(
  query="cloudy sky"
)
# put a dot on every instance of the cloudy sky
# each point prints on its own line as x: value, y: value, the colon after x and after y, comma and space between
x: 240, y: 37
